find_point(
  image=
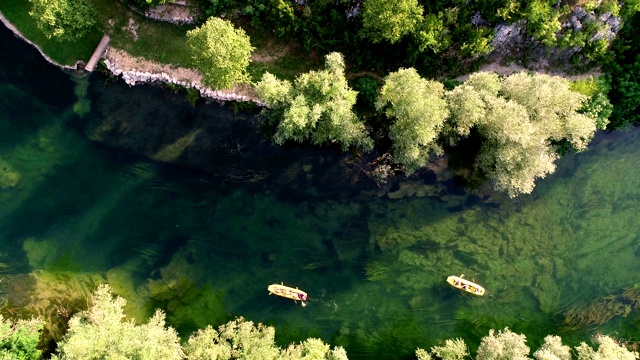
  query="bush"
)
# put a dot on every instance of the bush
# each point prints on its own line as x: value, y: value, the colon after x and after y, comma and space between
x: 19, y: 340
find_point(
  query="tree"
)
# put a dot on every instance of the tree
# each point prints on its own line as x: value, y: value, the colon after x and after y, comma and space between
x: 317, y: 107
x: 390, y: 19
x: 19, y: 339
x: 418, y: 112
x: 238, y: 339
x: 455, y: 349
x: 552, y: 349
x: 313, y: 349
x: 101, y: 333
x: 221, y: 52
x: 63, y: 20
x: 608, y: 349
x: 519, y: 118
x: 552, y: 106
x: 503, y: 345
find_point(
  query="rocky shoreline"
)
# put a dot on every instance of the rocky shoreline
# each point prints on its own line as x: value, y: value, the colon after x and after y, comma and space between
x: 133, y: 77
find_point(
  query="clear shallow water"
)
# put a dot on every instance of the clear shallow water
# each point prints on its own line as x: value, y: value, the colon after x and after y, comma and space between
x: 204, y: 249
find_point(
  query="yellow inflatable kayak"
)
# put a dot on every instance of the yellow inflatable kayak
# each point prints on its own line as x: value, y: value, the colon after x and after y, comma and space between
x: 466, y: 285
x: 288, y: 292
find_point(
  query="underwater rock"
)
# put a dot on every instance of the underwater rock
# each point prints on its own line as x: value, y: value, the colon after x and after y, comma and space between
x: 409, y: 188
x: 8, y: 177
x: 546, y: 292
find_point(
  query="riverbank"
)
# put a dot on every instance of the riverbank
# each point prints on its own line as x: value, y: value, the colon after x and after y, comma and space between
x: 136, y: 70
x: 17, y: 33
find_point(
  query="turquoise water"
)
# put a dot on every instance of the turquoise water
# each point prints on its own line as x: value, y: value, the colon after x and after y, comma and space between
x: 204, y: 248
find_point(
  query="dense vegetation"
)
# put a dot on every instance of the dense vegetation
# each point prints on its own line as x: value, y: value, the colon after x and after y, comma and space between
x: 221, y: 52
x: 104, y: 332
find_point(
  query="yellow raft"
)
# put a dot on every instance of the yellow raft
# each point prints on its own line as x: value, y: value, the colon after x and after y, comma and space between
x: 288, y: 292
x: 465, y: 285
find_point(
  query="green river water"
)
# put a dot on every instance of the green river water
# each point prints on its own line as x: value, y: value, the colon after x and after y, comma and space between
x: 75, y: 213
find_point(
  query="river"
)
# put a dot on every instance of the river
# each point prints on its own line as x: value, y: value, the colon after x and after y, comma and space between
x: 204, y: 244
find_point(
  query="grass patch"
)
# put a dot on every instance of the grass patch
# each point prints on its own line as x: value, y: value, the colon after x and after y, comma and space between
x: 156, y: 40
x: 65, y: 53
x: 283, y: 57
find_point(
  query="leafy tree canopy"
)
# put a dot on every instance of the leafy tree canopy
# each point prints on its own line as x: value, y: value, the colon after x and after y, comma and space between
x: 552, y: 349
x: 221, y: 52
x: 63, y: 20
x: 241, y: 339
x: 316, y: 106
x: 19, y: 339
x: 390, y: 19
x: 238, y: 339
x: 520, y: 117
x: 503, y: 345
x: 418, y: 112
x: 102, y: 332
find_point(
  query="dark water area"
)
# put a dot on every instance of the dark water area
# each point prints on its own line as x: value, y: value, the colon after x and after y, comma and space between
x: 84, y: 202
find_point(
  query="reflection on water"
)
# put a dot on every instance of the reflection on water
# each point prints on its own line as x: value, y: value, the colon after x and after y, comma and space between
x: 74, y: 214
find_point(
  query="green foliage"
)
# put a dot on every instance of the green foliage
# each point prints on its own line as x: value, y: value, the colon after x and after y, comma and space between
x: 552, y: 107
x: 313, y: 349
x: 19, y: 339
x: 317, y: 107
x: 597, y: 105
x: 503, y: 345
x: 63, y: 20
x: 543, y: 20
x: 423, y: 354
x: 608, y: 349
x: 238, y: 339
x: 221, y: 52
x: 419, y: 112
x: 145, y: 4
x: 452, y: 349
x: 552, y: 349
x: 102, y: 333
x: 390, y: 19
x: 367, y: 88
x: 432, y: 33
x: 624, y: 75
x: 519, y: 118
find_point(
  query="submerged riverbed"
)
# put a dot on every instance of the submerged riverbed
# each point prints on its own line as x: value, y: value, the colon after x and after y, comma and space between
x: 204, y: 245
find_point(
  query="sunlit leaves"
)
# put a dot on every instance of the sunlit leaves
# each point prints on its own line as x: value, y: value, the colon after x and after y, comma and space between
x: 237, y: 339
x: 221, y: 52
x: 543, y: 20
x: 607, y: 349
x: 63, y: 20
x: 503, y: 345
x: 102, y: 332
x: 552, y: 106
x: 452, y: 349
x: 313, y: 349
x: 519, y: 118
x: 317, y: 106
x: 552, y: 349
x: 390, y: 19
x: 418, y: 112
